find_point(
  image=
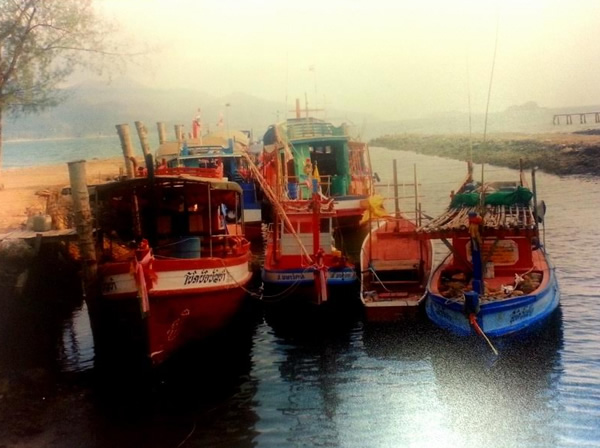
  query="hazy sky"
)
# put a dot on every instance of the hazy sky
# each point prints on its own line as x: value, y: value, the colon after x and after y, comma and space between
x: 391, y: 58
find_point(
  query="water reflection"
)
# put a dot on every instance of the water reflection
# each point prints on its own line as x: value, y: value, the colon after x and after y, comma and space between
x: 473, y: 397
x: 301, y: 386
x: 31, y: 328
x: 77, y: 349
x: 201, y: 395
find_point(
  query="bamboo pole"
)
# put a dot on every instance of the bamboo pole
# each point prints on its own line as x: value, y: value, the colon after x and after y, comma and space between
x: 534, y: 190
x: 161, y: 132
x: 143, y: 135
x: 396, y: 203
x: 125, y: 137
x: 416, y: 195
x: 83, y: 220
x: 179, y: 132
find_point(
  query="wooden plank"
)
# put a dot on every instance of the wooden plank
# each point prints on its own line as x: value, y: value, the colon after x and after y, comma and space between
x: 30, y: 234
x: 395, y: 265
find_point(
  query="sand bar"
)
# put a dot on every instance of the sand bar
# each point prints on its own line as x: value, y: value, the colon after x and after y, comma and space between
x: 18, y: 199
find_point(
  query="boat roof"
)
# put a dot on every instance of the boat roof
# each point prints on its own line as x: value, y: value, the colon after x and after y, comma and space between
x: 310, y: 128
x: 219, y: 139
x: 305, y: 129
x: 215, y: 184
x: 498, y: 218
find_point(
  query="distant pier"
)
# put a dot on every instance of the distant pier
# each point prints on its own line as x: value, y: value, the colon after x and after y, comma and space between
x: 582, y: 117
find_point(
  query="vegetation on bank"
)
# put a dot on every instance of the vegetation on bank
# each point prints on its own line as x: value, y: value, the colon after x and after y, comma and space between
x: 554, y: 157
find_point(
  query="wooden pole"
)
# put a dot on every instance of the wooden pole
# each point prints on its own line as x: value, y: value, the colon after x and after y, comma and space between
x: 396, y: 203
x: 83, y: 220
x: 179, y: 132
x: 143, y: 135
x: 161, y: 133
x: 125, y: 137
x: 534, y: 191
x: 417, y: 214
x: 370, y: 168
x: 316, y: 222
x: 210, y: 223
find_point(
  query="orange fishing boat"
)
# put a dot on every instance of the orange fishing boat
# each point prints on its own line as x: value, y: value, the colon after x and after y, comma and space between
x: 395, y: 263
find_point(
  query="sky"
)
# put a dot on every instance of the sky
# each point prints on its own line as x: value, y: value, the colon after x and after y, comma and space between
x: 394, y: 59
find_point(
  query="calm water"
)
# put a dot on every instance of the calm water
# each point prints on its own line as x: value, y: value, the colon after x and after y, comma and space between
x: 332, y: 381
x: 49, y: 152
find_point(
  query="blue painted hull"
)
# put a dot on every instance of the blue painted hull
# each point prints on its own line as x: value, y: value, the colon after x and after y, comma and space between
x: 498, y: 318
x: 289, y: 277
x: 298, y: 286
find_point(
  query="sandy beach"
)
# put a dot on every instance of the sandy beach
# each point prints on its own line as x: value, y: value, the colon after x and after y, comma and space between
x: 19, y: 200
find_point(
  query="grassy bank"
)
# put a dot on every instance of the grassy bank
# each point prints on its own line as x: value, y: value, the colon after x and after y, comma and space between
x: 561, y: 154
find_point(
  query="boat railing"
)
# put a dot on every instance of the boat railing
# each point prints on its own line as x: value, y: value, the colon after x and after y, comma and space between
x: 209, y: 172
x: 221, y: 246
x: 296, y: 191
x: 313, y: 129
x: 201, y: 246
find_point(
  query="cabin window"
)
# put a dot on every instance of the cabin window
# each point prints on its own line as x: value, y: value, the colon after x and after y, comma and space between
x: 326, y: 163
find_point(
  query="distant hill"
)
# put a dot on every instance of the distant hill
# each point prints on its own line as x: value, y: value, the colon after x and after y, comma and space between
x: 525, y: 118
x: 93, y: 109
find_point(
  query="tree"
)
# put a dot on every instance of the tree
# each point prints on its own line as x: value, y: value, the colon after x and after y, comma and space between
x: 42, y: 42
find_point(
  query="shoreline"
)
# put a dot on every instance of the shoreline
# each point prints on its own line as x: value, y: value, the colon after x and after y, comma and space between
x: 55, y: 139
x: 561, y: 153
x: 555, y: 153
x: 19, y: 199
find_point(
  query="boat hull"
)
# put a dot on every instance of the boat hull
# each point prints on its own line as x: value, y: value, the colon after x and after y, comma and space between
x: 175, y: 300
x: 392, y: 310
x: 395, y: 267
x: 497, y: 318
x: 298, y: 285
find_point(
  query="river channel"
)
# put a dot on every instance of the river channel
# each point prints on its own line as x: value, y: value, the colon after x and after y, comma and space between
x: 330, y: 380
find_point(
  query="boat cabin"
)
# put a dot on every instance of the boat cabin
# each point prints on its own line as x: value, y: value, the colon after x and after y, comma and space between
x: 180, y: 217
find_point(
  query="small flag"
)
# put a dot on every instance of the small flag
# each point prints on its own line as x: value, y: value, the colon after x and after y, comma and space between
x: 197, y: 125
x: 316, y: 173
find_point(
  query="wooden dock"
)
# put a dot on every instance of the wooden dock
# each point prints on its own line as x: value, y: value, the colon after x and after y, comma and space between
x: 49, y: 235
x: 582, y: 117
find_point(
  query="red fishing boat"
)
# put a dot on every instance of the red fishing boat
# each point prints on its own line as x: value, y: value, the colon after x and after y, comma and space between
x: 222, y: 155
x: 395, y: 263
x: 301, y: 261
x: 308, y: 149
x: 169, y: 262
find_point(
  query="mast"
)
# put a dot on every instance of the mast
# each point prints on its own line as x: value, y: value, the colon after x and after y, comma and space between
x: 534, y: 191
x: 396, y: 204
x: 417, y: 215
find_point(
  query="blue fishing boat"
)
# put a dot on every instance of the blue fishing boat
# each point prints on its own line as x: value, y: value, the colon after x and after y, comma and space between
x: 498, y: 278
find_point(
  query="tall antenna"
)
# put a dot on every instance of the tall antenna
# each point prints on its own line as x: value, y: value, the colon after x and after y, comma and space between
x: 491, y: 75
x: 313, y: 69
x: 287, y: 78
x: 470, y: 112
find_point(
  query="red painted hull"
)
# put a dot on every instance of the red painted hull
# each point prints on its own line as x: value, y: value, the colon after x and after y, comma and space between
x: 185, y: 300
x: 174, y: 321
